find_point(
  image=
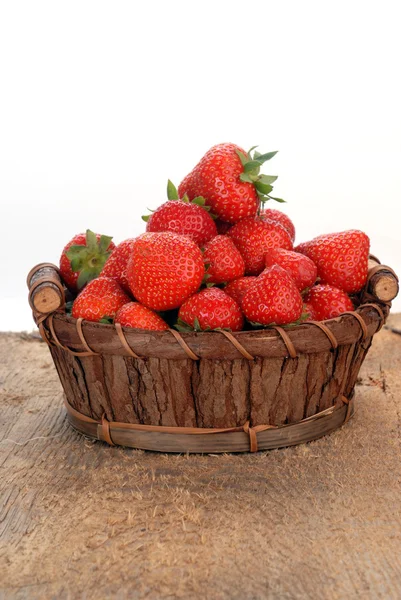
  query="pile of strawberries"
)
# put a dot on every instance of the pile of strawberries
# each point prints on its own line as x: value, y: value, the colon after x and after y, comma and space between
x: 213, y: 257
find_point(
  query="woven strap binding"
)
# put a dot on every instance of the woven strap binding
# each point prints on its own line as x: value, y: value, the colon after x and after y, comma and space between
x: 364, y: 329
x: 346, y: 401
x: 104, y: 427
x: 238, y: 345
x: 89, y: 351
x: 124, y: 342
x: 287, y: 341
x: 106, y: 430
x: 379, y: 312
x: 183, y: 344
x: 328, y: 333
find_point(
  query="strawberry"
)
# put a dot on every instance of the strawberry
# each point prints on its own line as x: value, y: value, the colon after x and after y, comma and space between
x: 183, y: 217
x: 254, y: 236
x: 211, y: 308
x: 341, y: 258
x: 228, y: 178
x: 223, y: 261
x: 277, y: 215
x: 326, y: 302
x: 309, y: 312
x: 83, y: 258
x: 138, y: 316
x: 116, y: 265
x: 237, y: 288
x: 301, y: 268
x: 100, y: 299
x: 273, y: 298
x: 164, y: 269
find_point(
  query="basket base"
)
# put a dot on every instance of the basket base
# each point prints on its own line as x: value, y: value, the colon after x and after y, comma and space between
x: 208, y: 441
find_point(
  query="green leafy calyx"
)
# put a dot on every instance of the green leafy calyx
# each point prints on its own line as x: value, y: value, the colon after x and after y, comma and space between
x: 106, y: 320
x: 172, y: 194
x: 90, y: 259
x: 251, y: 162
x: 185, y: 327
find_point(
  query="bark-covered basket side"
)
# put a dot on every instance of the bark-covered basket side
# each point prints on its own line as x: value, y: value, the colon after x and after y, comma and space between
x: 221, y: 388
x: 209, y: 392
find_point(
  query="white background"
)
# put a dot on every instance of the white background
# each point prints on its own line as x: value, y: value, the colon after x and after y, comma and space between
x: 102, y: 102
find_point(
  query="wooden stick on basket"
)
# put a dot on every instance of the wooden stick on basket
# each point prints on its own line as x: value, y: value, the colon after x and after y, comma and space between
x: 46, y: 291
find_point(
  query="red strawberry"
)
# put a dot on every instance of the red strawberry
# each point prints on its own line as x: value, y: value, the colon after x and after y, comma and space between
x: 83, y: 258
x: 116, y: 265
x: 309, y: 312
x: 237, y: 288
x: 327, y: 302
x: 273, y: 298
x: 277, y: 215
x: 301, y: 268
x: 211, y: 308
x: 254, y: 236
x: 183, y: 217
x: 138, y: 316
x: 100, y: 299
x: 228, y: 178
x: 341, y: 258
x: 223, y: 261
x: 164, y: 269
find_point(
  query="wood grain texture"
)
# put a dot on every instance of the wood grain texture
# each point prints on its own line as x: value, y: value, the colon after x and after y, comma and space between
x: 47, y: 296
x: 82, y: 520
x: 222, y: 388
x: 208, y: 393
x: 213, y: 345
x: 383, y: 285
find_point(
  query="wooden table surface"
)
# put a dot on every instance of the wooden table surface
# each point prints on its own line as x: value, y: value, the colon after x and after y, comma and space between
x: 79, y: 519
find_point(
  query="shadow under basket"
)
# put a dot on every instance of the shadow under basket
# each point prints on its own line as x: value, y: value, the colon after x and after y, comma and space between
x: 208, y: 392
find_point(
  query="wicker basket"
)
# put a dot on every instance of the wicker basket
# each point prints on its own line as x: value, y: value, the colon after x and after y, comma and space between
x: 211, y: 391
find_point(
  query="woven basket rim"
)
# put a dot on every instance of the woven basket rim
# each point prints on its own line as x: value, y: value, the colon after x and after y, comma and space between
x: 90, y: 354
x: 91, y: 337
x: 268, y: 330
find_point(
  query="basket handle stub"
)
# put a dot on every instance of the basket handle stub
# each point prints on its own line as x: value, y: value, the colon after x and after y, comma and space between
x: 46, y: 291
x: 382, y: 282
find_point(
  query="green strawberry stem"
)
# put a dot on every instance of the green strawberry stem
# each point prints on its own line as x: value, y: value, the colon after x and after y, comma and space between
x: 68, y: 307
x: 172, y: 194
x: 90, y: 259
x: 304, y: 317
x: 251, y: 174
x: 107, y: 320
x: 299, y: 321
x: 184, y: 327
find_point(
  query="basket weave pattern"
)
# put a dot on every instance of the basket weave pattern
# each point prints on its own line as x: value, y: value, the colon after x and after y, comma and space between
x: 256, y: 385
